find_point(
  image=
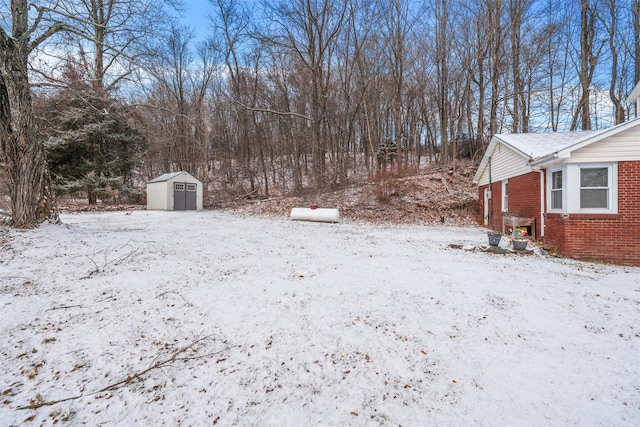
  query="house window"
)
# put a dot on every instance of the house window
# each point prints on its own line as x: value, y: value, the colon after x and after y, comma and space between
x: 585, y: 187
x: 556, y: 190
x: 594, y: 188
x: 505, y: 195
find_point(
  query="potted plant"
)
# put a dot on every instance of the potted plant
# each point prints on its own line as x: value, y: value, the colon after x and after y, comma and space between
x: 494, y: 238
x: 519, y: 244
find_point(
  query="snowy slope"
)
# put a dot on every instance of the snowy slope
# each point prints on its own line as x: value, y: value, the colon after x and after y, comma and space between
x: 201, y: 318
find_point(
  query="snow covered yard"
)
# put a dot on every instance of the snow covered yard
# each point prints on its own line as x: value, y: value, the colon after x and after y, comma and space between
x: 201, y: 318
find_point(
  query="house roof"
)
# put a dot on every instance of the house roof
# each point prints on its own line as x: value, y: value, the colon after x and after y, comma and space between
x: 589, y: 137
x: 634, y: 95
x: 166, y: 176
x: 540, y: 148
x: 537, y: 145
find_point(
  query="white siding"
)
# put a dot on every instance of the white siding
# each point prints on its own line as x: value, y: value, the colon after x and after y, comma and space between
x: 623, y: 146
x: 505, y: 163
x: 169, y: 194
x: 157, y: 196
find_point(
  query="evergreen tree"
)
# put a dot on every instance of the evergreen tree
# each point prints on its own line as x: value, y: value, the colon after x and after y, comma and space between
x: 92, y: 148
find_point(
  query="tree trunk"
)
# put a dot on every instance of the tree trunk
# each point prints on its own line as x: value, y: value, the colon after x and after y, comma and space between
x: 585, y: 54
x: 495, y: 46
x: 619, y: 110
x: 29, y: 184
x: 588, y: 60
x: 636, y: 44
x: 515, y: 12
x: 442, y: 76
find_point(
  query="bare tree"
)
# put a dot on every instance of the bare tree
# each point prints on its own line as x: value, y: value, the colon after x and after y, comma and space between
x: 636, y: 40
x: 495, y: 36
x: 232, y: 28
x: 516, y: 11
x: 396, y: 32
x: 309, y: 29
x: 177, y: 104
x: 474, y: 50
x: 368, y: 72
x: 557, y: 54
x: 442, y: 47
x: 29, y: 182
x: 590, y: 48
x: 115, y: 37
x: 618, y: 54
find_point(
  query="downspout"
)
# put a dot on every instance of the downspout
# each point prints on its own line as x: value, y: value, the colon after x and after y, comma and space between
x: 490, y: 198
x: 541, y: 172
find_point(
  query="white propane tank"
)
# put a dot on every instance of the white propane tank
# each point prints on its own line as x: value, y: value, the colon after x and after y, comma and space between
x: 315, y: 213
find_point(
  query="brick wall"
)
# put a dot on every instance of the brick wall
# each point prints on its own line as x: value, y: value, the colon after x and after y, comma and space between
x: 607, y: 237
x: 495, y: 218
x: 524, y: 199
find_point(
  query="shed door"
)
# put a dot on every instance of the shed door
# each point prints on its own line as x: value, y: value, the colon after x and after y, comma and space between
x: 184, y: 196
x: 190, y: 197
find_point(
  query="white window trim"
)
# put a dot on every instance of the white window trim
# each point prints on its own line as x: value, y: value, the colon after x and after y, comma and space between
x: 612, y: 179
x: 571, y: 188
x: 550, y: 186
x: 505, y: 195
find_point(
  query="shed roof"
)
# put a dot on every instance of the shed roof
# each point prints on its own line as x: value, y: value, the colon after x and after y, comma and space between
x: 169, y: 176
x: 165, y: 177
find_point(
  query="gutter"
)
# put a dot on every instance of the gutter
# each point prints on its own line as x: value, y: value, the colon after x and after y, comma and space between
x: 541, y: 172
x: 544, y: 159
x: 535, y: 165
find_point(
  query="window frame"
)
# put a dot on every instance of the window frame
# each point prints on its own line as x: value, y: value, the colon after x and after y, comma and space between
x: 607, y: 188
x: 561, y: 190
x: 571, y: 186
x: 505, y: 195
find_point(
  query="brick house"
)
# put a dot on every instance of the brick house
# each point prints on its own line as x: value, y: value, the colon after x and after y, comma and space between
x: 579, y: 190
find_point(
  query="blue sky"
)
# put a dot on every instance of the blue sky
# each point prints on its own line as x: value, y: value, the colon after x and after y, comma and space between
x: 196, y: 17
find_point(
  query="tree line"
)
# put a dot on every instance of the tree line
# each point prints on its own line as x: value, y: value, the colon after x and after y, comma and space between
x: 284, y: 97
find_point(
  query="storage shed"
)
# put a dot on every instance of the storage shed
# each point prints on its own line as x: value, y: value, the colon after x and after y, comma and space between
x: 176, y: 191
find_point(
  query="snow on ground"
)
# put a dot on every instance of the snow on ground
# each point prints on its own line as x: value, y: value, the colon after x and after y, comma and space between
x: 201, y: 318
